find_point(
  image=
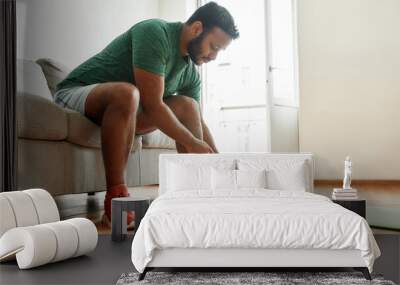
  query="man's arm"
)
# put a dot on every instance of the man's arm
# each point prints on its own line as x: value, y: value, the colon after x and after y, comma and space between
x: 151, y: 87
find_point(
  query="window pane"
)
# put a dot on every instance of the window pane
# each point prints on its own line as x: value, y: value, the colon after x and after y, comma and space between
x: 237, y: 78
x: 282, y: 49
x: 238, y: 75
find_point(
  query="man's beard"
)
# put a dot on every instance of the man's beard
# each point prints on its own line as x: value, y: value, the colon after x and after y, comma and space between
x: 194, y: 47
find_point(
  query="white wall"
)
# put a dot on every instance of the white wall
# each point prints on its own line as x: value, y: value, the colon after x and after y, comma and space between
x: 349, y: 52
x: 176, y: 10
x: 71, y: 31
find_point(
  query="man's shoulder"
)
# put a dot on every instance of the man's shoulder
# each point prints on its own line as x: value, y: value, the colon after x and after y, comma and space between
x: 157, y: 33
x: 150, y: 25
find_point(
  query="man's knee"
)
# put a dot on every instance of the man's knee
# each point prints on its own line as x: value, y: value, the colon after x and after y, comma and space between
x: 187, y: 107
x: 125, y: 96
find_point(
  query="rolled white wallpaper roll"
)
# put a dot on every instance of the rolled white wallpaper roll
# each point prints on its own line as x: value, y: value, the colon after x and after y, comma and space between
x: 45, y: 205
x: 87, y: 234
x: 23, y: 208
x: 7, y: 218
x: 67, y: 240
x: 31, y: 232
x: 41, y: 244
x: 26, y: 208
x: 33, y: 246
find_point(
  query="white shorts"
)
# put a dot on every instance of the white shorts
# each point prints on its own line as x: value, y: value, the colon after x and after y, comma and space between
x: 73, y: 98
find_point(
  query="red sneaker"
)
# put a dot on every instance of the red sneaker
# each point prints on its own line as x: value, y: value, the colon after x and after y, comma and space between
x: 120, y: 190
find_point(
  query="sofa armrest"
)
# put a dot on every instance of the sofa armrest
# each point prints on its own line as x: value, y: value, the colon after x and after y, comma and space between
x: 40, y: 118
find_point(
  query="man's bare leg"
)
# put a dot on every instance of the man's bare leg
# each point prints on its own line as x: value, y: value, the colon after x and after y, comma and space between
x: 185, y: 109
x: 114, y: 106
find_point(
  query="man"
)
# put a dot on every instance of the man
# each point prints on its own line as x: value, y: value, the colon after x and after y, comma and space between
x: 144, y: 80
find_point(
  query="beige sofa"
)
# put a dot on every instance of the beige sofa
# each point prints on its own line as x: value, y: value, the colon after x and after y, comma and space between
x: 59, y: 149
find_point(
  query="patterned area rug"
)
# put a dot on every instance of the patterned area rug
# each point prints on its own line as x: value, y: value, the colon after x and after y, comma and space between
x: 242, y: 278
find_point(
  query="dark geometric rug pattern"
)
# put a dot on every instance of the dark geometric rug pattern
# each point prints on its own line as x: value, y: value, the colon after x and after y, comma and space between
x: 253, y: 278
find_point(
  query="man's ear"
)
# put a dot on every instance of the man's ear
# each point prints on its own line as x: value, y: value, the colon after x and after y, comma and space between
x: 196, y: 28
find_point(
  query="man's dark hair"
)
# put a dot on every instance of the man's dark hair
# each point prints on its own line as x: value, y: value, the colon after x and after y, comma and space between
x: 213, y: 15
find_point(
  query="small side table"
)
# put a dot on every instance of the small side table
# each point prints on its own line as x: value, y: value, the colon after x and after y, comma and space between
x: 119, y: 208
x: 357, y: 206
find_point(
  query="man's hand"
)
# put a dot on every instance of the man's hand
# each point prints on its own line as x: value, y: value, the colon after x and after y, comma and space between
x: 198, y: 146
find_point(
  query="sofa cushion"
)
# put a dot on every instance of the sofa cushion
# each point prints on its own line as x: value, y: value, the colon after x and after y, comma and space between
x: 31, y: 80
x: 84, y: 132
x: 54, y: 72
x: 40, y: 118
x: 158, y: 139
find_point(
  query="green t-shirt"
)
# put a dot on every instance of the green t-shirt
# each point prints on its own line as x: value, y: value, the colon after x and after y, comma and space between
x: 152, y: 45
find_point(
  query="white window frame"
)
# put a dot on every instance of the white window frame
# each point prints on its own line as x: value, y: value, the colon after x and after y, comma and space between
x: 276, y: 101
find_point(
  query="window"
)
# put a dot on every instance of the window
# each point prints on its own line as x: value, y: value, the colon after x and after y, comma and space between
x: 255, y: 71
x: 281, y: 15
